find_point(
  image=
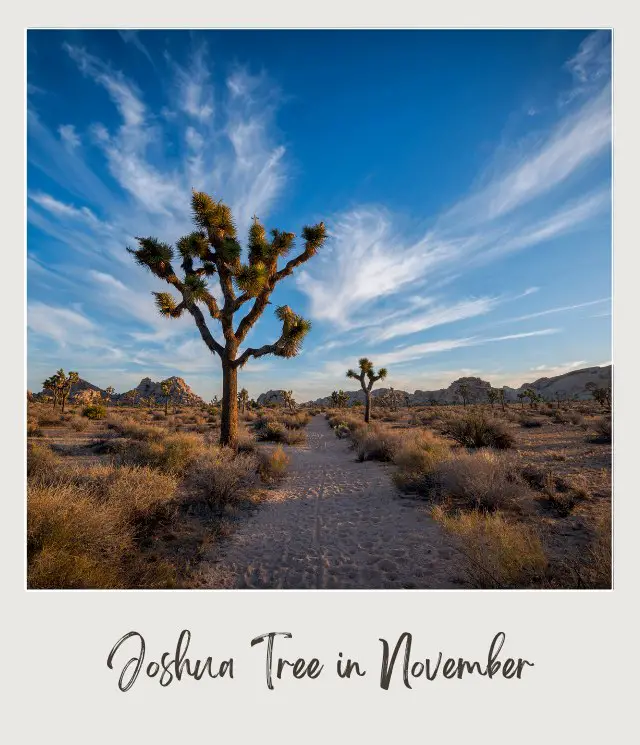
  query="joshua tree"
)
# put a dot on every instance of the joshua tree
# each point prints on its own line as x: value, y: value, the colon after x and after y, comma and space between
x: 522, y: 397
x: 288, y: 399
x: 602, y: 396
x: 64, y: 383
x: 560, y: 397
x: 367, y: 378
x: 463, y: 391
x: 339, y: 399
x: 531, y: 395
x: 493, y: 395
x: 502, y: 398
x: 51, y: 384
x: 167, y: 389
x: 109, y: 390
x: 213, y: 249
x: 243, y: 399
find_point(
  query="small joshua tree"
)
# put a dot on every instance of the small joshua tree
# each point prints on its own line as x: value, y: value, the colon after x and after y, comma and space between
x: 288, y: 400
x: 493, y: 395
x: 109, y: 390
x: 502, y: 398
x: 464, y: 393
x: 64, y: 385
x: 531, y: 395
x: 167, y: 389
x: 560, y: 396
x: 367, y: 378
x: 51, y: 384
x: 243, y: 399
x: 522, y: 397
x: 213, y: 249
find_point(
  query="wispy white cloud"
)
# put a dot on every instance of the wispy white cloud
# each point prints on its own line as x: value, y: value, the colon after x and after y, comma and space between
x: 69, y: 135
x: 561, y: 309
x: 132, y: 37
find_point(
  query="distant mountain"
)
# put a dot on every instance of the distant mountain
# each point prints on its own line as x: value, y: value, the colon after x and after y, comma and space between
x: 570, y: 385
x: 146, y: 388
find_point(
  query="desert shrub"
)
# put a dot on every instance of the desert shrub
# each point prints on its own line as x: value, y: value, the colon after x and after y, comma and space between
x: 94, y: 411
x: 33, y: 428
x: 42, y: 462
x: 220, y: 477
x: 83, y: 526
x: 295, y: 436
x: 135, y: 430
x: 341, y: 431
x: 273, y: 465
x: 296, y: 421
x: 79, y: 424
x: 375, y: 442
x: 560, y: 493
x: 575, y: 417
x: 476, y: 431
x: 49, y: 420
x: 484, y: 480
x: 246, y: 443
x: 530, y: 422
x: 603, y: 430
x: 560, y: 417
x: 269, y: 430
x: 496, y: 553
x: 174, y: 453
x: 417, y: 460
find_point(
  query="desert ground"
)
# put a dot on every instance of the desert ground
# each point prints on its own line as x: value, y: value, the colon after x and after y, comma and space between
x: 431, y: 496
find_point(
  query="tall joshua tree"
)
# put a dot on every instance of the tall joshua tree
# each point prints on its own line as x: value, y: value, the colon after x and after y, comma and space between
x: 213, y: 249
x: 367, y: 378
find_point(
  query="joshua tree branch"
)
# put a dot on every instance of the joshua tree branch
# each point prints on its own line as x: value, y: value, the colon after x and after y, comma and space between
x: 206, y: 335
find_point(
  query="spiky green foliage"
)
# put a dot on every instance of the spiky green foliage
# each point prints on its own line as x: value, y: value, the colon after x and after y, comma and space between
x: 213, y: 249
x: 294, y: 329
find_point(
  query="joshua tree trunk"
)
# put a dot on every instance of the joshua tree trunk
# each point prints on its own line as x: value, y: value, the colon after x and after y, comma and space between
x: 367, y: 409
x: 229, y: 414
x: 166, y: 405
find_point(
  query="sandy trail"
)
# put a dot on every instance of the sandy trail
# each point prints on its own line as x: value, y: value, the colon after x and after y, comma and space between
x: 334, y: 523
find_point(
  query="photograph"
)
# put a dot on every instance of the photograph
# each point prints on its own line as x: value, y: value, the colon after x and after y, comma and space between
x: 318, y: 309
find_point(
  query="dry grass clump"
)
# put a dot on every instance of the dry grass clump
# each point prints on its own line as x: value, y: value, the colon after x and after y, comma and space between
x: 497, y: 554
x: 273, y: 465
x: 84, y: 526
x: 603, y: 431
x: 483, y: 480
x: 79, y: 424
x: 418, y: 460
x: 375, y: 442
x: 270, y: 429
x: 530, y: 422
x: 560, y: 493
x: 33, y: 428
x: 129, y: 427
x: 220, y: 477
x: 476, y: 430
x: 172, y: 453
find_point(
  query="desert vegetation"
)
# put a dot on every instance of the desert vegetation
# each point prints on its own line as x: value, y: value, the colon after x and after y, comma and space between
x: 135, y: 496
x: 525, y: 497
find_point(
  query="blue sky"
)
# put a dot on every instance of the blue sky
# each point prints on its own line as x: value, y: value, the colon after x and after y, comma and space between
x: 464, y: 176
